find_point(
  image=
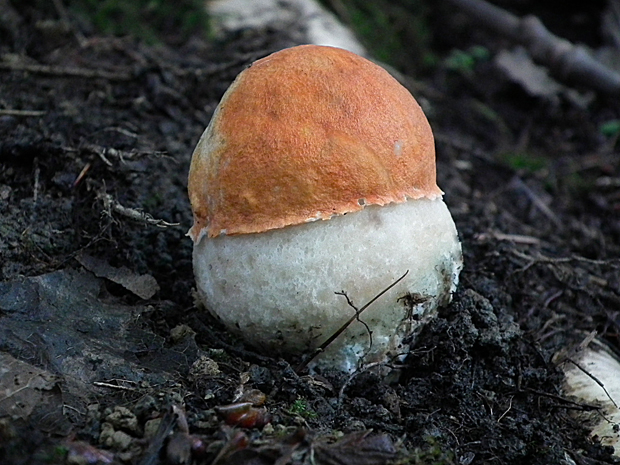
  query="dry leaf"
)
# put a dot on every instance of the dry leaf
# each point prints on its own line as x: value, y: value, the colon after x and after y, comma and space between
x: 22, y: 387
x: 143, y: 285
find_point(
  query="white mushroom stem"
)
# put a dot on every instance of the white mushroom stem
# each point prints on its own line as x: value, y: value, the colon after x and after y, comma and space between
x: 278, y: 288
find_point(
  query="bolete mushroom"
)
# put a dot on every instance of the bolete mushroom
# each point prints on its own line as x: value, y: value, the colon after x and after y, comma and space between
x: 316, y: 133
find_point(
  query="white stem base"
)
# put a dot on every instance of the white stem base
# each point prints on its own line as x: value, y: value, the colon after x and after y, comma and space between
x: 277, y: 289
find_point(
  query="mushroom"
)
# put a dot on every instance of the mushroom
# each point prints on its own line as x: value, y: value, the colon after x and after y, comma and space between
x: 316, y: 176
x: 592, y: 378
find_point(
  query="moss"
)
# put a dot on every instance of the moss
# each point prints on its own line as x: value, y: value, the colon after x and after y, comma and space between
x: 465, y: 61
x: 300, y: 407
x: 524, y: 161
x: 610, y: 128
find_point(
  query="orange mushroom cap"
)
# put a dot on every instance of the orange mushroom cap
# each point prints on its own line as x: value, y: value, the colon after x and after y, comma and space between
x: 304, y: 134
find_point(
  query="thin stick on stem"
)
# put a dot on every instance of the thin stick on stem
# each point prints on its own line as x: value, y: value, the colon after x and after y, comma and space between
x: 340, y: 330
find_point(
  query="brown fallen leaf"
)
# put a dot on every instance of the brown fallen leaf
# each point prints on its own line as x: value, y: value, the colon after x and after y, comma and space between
x: 143, y: 285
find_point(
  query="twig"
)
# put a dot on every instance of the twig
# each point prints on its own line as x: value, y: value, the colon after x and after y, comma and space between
x: 11, y: 112
x: 340, y: 330
x: 110, y: 204
x: 352, y: 377
x: 114, y: 386
x: 122, y: 131
x: 516, y: 238
x: 101, y: 154
x: 82, y: 174
x: 64, y: 17
x: 357, y: 314
x: 574, y: 258
x: 567, y: 61
x: 506, y: 411
x: 454, y: 142
x: 66, y: 71
x: 517, y: 184
x: 607, y: 181
x: 104, y: 152
x: 564, y: 400
x: 37, y: 173
x: 595, y: 379
x: 570, y: 353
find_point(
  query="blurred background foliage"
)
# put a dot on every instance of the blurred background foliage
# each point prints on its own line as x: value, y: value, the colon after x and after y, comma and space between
x: 149, y: 20
x: 397, y: 32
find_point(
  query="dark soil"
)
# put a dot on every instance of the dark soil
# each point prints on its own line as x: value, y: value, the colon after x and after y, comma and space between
x: 109, y: 124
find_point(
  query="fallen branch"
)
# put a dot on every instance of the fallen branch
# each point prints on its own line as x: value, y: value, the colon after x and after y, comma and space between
x: 565, y: 60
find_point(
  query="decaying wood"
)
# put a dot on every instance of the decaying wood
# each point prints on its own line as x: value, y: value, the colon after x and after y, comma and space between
x: 567, y: 61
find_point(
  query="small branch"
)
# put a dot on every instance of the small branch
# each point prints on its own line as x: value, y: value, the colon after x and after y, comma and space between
x: 340, y: 330
x: 82, y: 174
x: 574, y: 350
x: 518, y: 185
x: 122, y: 155
x: 36, y: 182
x: 113, y: 386
x: 357, y: 314
x: 11, y: 112
x: 516, y: 238
x: 563, y: 400
x: 110, y: 205
x: 595, y: 379
x: 567, y: 61
x: 506, y: 411
x: 539, y: 258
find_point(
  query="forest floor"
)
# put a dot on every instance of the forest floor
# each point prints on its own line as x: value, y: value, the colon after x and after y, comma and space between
x: 105, y: 356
